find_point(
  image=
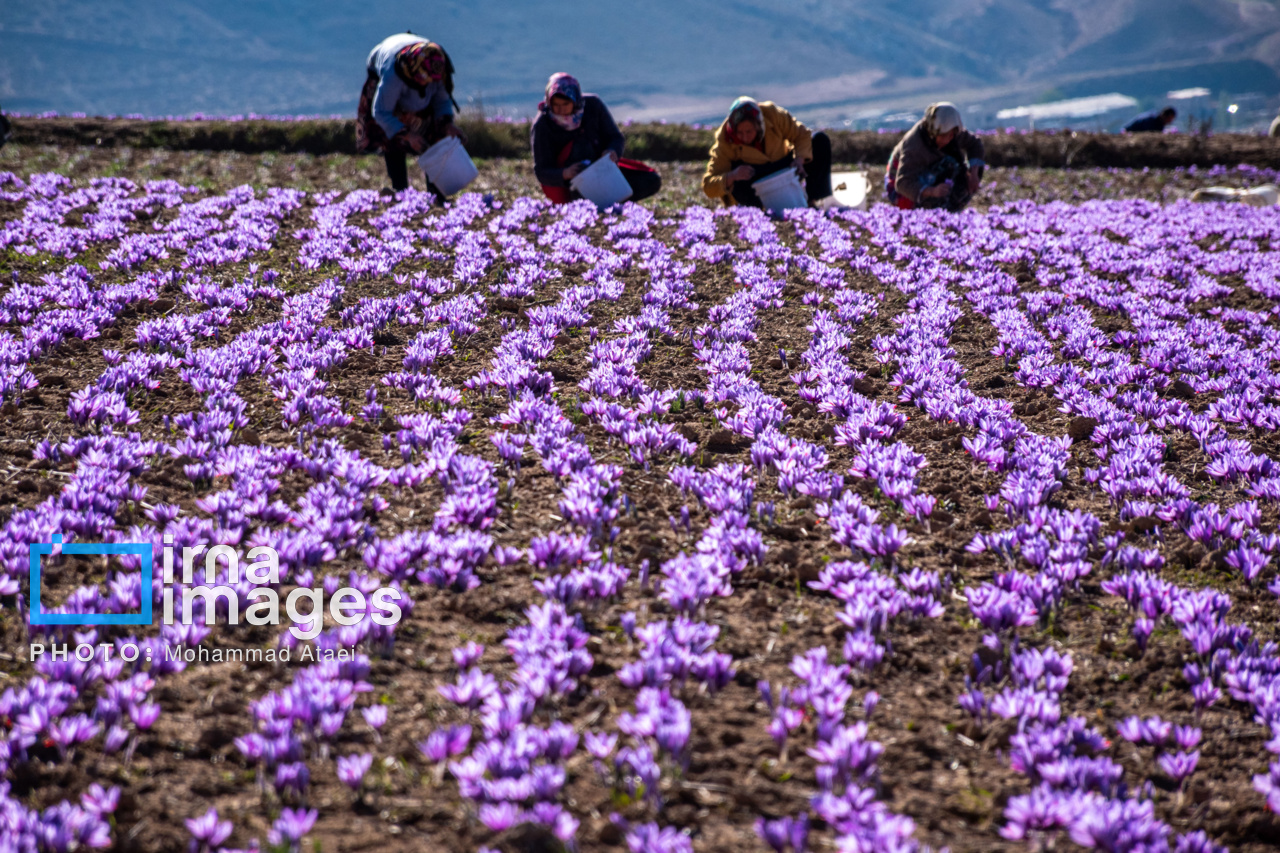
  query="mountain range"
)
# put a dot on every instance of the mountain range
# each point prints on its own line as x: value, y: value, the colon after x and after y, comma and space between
x: 685, y: 60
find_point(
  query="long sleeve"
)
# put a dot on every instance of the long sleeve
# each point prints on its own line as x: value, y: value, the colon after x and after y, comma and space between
x: 794, y: 131
x: 390, y: 88
x: 545, y: 168
x: 440, y: 105
x: 973, y: 149
x: 611, y: 139
x: 912, y: 163
x: 714, y: 182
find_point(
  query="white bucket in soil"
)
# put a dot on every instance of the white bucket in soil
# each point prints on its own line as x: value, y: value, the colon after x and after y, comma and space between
x: 1263, y: 196
x: 448, y: 166
x: 602, y: 183
x: 781, y: 191
x: 850, y: 189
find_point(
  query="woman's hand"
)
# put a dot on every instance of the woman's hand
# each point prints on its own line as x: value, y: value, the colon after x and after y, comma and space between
x: 800, y: 172
x: 940, y: 191
x: 572, y: 171
x: 975, y: 180
x: 456, y: 132
x: 612, y: 155
x: 742, y: 173
x: 413, y: 142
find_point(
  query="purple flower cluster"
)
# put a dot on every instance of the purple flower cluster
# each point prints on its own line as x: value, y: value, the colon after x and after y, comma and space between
x: 1132, y: 394
x: 1077, y: 789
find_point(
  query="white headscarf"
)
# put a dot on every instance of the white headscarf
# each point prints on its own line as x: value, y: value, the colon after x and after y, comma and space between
x: 941, y: 118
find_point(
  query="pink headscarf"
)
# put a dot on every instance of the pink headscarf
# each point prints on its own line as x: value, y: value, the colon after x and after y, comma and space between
x: 566, y: 86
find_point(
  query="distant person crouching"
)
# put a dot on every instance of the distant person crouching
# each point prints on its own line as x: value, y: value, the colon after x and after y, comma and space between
x: 574, y: 130
x: 936, y: 164
x: 406, y: 105
x: 1153, y: 122
x: 759, y: 139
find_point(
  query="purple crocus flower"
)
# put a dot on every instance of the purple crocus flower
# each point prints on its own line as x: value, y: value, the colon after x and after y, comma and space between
x: 292, y: 825
x: 208, y: 830
x: 351, y: 769
x: 375, y: 716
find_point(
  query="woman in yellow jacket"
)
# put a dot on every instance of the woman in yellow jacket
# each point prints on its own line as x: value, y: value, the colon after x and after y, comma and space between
x: 759, y: 139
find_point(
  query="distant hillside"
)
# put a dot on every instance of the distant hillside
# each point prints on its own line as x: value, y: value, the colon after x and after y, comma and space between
x: 682, y: 59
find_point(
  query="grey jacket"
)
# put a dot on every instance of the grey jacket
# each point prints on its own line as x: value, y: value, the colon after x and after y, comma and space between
x: 915, y: 153
x: 395, y: 94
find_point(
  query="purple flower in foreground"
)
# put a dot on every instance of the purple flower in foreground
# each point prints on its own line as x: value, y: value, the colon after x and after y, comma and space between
x: 208, y: 830
x: 500, y: 816
x: 1186, y: 736
x: 1205, y: 694
x: 784, y: 832
x: 351, y: 769
x: 467, y: 655
x: 600, y: 745
x: 292, y: 776
x: 1130, y: 729
x: 649, y: 838
x: 472, y: 688
x: 145, y: 714
x: 292, y: 825
x: 1040, y: 811
x: 116, y: 738
x: 375, y: 716
x: 1179, y: 765
x: 100, y: 801
x: 443, y: 743
x: 1197, y: 842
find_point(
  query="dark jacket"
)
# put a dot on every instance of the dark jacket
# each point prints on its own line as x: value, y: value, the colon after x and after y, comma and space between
x: 597, y: 134
x: 916, y: 153
x: 1146, y: 123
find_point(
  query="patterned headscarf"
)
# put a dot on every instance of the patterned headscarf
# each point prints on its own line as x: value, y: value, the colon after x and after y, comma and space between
x: 423, y: 63
x: 745, y: 109
x: 942, y: 117
x: 566, y: 86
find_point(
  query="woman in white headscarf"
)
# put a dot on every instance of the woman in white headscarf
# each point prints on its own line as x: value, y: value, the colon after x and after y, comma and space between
x: 936, y: 164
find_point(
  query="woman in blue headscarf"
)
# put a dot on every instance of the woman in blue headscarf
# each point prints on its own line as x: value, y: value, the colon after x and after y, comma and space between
x: 571, y: 132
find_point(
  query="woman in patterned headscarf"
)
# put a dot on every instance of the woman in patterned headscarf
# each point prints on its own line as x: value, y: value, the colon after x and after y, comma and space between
x: 574, y: 130
x: 936, y: 164
x: 407, y: 102
x: 759, y: 139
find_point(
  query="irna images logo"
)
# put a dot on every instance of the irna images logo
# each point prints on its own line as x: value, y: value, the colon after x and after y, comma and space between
x: 258, y: 602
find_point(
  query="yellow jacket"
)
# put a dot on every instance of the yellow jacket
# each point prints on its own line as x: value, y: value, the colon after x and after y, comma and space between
x: 782, y: 134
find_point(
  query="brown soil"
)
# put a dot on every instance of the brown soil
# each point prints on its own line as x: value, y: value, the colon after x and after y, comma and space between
x: 936, y: 768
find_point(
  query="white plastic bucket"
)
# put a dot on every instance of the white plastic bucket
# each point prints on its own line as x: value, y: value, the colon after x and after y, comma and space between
x: 448, y: 166
x: 781, y: 191
x: 850, y: 189
x: 1216, y: 194
x: 602, y: 183
x: 1263, y: 196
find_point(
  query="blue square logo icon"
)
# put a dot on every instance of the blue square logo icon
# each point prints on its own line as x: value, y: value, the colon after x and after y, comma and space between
x: 37, y: 614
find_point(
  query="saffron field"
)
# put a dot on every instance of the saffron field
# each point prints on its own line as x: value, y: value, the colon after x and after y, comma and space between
x: 862, y: 531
